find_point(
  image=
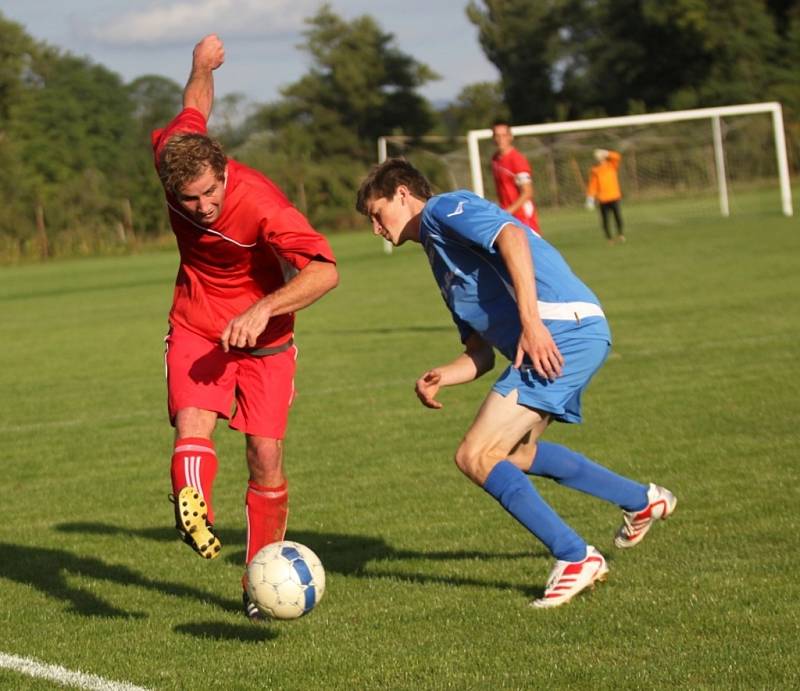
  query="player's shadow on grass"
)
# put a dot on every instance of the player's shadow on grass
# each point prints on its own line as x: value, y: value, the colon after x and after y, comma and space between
x: 362, y: 556
x: 244, y: 633
x: 48, y: 570
x: 365, y: 556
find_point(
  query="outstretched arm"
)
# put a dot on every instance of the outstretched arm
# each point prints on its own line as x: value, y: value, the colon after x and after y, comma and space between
x: 208, y: 55
x: 477, y: 359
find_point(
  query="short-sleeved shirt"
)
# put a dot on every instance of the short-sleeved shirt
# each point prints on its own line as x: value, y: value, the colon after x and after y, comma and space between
x: 458, y: 231
x: 511, y: 171
x: 255, y: 246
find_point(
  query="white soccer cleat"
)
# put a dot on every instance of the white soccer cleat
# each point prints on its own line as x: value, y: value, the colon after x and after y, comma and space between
x: 568, y: 578
x: 635, y: 524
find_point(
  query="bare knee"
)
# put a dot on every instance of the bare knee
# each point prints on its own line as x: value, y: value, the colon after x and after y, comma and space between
x: 265, y: 460
x: 475, y: 463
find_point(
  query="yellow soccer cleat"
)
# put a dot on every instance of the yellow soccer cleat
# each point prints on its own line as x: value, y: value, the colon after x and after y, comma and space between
x: 191, y: 522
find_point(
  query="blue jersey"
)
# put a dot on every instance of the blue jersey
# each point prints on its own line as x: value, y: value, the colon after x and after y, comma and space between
x: 458, y: 231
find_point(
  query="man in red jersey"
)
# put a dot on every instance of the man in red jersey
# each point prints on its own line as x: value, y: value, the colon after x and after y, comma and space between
x: 513, y: 177
x: 248, y: 261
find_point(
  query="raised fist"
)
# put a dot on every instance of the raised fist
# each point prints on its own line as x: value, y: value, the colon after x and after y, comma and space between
x: 209, y: 53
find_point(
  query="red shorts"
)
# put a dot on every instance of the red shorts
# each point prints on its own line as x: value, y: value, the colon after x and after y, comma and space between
x: 202, y: 375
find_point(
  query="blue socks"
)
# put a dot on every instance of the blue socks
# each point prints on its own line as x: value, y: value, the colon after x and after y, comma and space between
x: 510, y: 486
x: 574, y: 470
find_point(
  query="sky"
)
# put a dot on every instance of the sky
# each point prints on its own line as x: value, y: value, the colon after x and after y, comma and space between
x: 261, y: 36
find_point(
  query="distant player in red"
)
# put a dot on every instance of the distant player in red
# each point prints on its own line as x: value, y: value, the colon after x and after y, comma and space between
x: 248, y: 261
x: 513, y: 177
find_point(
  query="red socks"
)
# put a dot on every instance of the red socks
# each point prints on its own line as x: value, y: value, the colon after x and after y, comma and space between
x: 194, y: 463
x: 267, y: 510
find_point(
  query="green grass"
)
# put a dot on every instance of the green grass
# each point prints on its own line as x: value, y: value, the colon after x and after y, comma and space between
x: 428, y: 580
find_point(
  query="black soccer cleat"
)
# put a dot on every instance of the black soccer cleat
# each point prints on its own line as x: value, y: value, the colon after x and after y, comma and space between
x: 191, y: 522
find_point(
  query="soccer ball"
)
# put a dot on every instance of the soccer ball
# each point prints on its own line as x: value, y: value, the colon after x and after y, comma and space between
x: 285, y: 580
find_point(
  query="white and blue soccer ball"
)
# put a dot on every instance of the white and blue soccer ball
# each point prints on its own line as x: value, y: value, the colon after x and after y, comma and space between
x: 285, y: 580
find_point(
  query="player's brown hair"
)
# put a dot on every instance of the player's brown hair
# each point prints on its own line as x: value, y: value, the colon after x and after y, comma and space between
x: 185, y: 158
x: 384, y: 179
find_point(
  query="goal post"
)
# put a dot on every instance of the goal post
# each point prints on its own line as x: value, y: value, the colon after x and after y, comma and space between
x: 714, y: 115
x: 382, y: 156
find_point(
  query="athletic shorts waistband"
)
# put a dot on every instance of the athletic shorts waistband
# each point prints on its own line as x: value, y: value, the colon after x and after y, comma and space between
x: 272, y: 350
x: 569, y: 311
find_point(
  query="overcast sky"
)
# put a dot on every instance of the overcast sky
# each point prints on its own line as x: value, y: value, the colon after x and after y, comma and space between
x: 157, y: 36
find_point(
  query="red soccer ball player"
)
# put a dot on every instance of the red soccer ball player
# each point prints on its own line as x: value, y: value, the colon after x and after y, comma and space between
x: 513, y: 177
x: 248, y: 261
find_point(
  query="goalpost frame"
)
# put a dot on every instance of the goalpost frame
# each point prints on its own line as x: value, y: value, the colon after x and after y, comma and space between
x: 714, y: 114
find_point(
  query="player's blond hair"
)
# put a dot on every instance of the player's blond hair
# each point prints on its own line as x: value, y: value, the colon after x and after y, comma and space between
x: 384, y: 179
x: 185, y: 157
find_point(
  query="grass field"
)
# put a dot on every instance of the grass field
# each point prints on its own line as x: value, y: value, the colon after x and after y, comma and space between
x: 428, y: 579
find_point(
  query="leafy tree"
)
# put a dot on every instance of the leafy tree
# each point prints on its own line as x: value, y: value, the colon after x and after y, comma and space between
x: 227, y: 120
x: 573, y: 58
x: 635, y: 51
x: 682, y: 54
x: 15, y: 55
x: 72, y: 151
x: 156, y: 100
x: 76, y: 116
x: 476, y: 106
x: 523, y: 39
x: 360, y: 79
x: 786, y: 84
x: 17, y: 210
x: 323, y: 131
x: 76, y: 134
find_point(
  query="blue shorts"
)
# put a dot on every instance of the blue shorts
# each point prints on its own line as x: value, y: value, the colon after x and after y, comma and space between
x: 562, y: 397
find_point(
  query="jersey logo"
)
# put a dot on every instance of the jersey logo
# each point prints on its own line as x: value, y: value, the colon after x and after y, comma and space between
x: 459, y: 210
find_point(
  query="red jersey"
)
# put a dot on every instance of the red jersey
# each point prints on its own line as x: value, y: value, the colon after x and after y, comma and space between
x: 511, y: 170
x: 255, y: 246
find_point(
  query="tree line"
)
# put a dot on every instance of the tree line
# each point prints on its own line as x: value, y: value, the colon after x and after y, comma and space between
x: 76, y: 162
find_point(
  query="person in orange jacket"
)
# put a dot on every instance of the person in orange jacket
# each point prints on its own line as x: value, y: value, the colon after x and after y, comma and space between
x: 603, y: 189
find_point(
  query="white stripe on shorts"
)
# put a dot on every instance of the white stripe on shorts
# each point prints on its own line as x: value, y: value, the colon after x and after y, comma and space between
x: 569, y: 311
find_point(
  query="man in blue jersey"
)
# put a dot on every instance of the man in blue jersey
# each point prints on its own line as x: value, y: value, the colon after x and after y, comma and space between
x: 509, y: 290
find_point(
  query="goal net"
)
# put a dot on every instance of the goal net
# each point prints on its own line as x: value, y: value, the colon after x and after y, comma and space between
x: 695, y: 162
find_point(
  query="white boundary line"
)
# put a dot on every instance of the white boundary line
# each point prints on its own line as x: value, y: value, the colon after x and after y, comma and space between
x: 60, y: 675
